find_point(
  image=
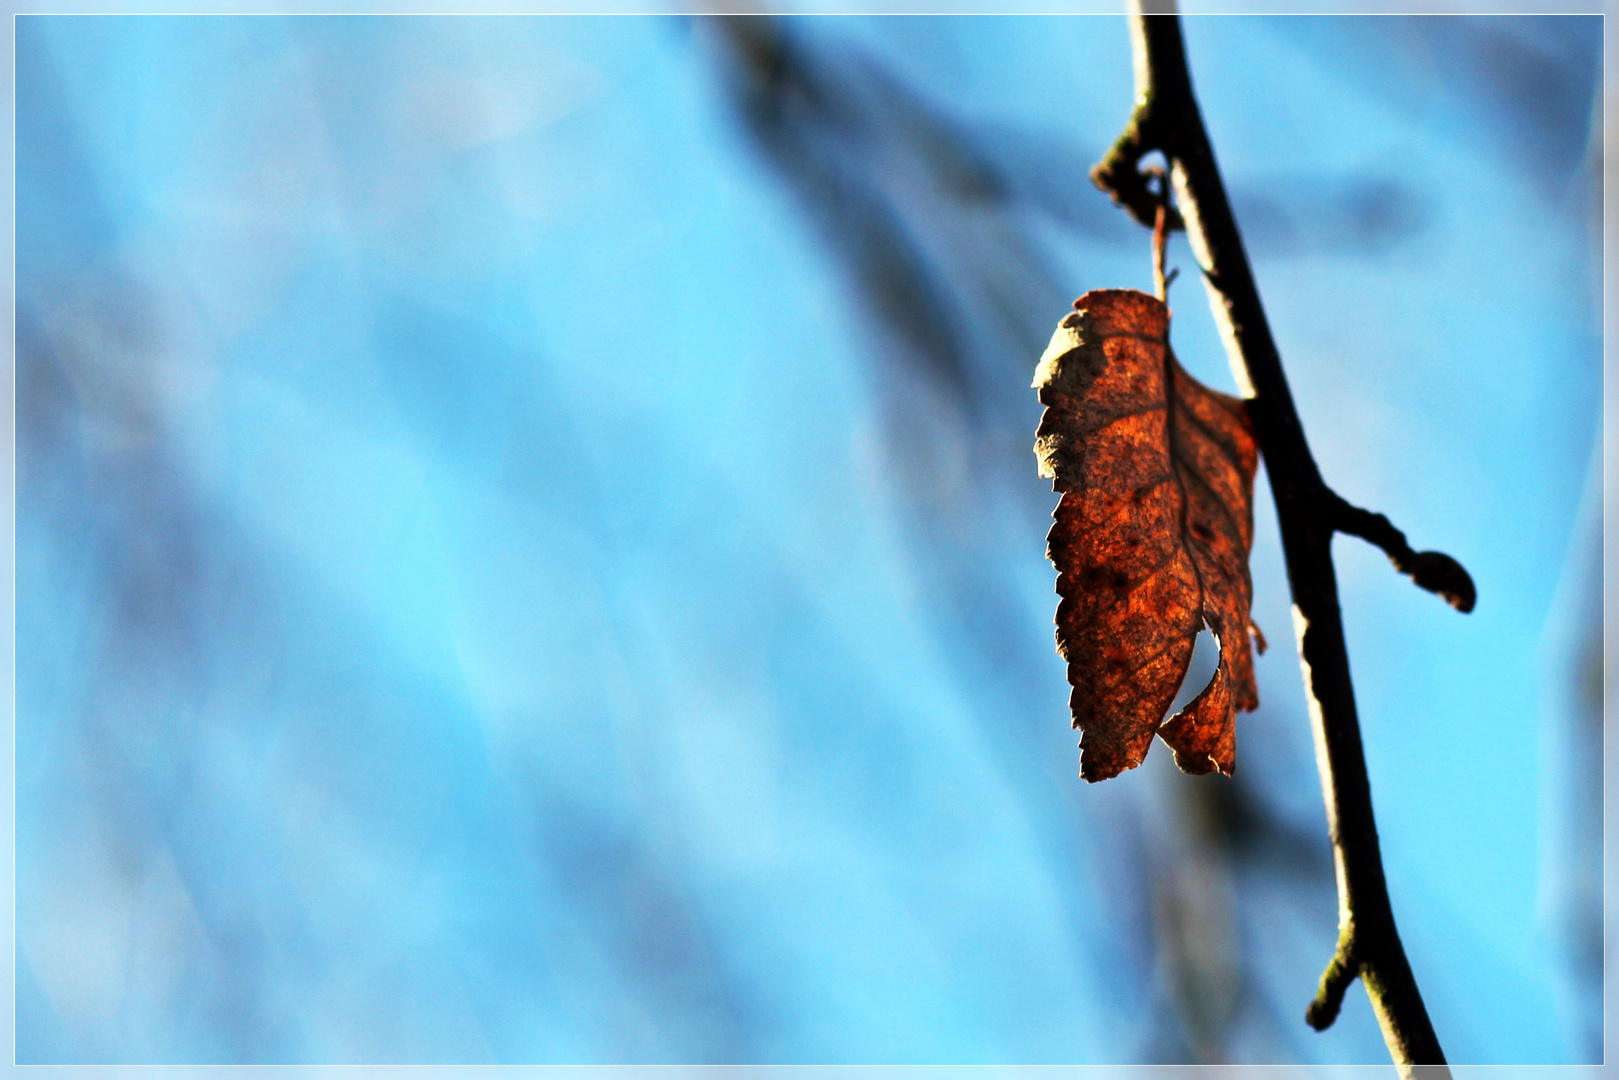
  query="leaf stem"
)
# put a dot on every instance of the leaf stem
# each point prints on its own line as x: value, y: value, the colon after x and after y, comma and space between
x: 1167, y: 119
x: 1160, y: 240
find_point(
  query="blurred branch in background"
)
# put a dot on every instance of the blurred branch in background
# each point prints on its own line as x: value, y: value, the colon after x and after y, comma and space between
x: 932, y: 229
x: 891, y: 184
x: 528, y: 549
x: 214, y: 729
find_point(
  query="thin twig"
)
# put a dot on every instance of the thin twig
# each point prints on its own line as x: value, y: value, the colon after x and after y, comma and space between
x: 1432, y: 570
x: 1167, y: 119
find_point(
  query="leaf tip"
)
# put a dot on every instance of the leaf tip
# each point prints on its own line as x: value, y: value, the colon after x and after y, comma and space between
x: 1194, y: 764
x: 1092, y: 771
x: 1202, y: 762
x: 1103, y: 758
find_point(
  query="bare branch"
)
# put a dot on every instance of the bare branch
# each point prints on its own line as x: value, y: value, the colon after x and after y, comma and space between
x: 1334, y: 982
x: 1166, y: 119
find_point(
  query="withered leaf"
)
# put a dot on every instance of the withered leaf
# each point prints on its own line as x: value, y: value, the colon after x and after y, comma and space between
x: 1151, y: 537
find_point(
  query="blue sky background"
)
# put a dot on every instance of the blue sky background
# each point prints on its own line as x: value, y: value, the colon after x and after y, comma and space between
x: 528, y: 548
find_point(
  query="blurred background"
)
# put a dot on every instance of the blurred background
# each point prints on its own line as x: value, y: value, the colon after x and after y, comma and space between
x: 529, y: 550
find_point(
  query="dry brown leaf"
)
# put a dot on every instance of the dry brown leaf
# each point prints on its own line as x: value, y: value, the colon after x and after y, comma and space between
x: 1151, y: 537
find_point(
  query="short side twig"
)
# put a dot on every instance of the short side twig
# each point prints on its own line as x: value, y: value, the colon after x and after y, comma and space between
x: 1166, y: 119
x: 1334, y: 983
x: 1432, y: 570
